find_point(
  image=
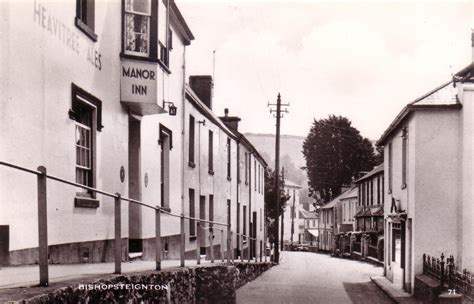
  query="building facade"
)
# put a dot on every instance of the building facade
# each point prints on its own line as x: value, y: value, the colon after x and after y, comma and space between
x: 349, y: 203
x: 428, y: 181
x: 105, y: 104
x: 309, y: 232
x: 291, y: 216
x: 369, y: 212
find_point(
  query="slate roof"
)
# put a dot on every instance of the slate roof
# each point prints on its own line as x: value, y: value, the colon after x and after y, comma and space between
x: 442, y: 97
x: 354, y: 192
x: 374, y: 171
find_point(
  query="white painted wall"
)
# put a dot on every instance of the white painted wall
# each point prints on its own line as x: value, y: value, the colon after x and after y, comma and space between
x: 38, y: 67
x: 467, y: 196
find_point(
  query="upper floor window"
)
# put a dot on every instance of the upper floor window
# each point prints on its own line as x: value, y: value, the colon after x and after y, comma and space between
x: 85, y: 17
x: 255, y: 174
x: 211, y: 152
x: 147, y: 33
x: 246, y: 168
x: 164, y: 34
x: 404, y: 156
x: 137, y: 27
x: 390, y: 167
x: 228, y: 159
x: 191, y: 140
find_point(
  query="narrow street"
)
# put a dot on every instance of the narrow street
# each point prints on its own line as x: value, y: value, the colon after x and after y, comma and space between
x: 305, y: 277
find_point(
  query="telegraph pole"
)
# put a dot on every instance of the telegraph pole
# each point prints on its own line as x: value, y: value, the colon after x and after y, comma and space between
x: 282, y: 230
x: 278, y: 116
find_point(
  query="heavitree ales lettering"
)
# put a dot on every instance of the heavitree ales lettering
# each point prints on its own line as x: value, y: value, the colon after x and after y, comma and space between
x: 54, y: 26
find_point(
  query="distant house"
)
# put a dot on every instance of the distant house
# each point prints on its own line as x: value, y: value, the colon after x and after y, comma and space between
x: 291, y: 217
x: 308, y: 232
x: 330, y: 223
x: 349, y: 203
x: 369, y: 213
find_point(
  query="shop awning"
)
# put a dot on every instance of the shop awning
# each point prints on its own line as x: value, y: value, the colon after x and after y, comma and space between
x: 313, y: 232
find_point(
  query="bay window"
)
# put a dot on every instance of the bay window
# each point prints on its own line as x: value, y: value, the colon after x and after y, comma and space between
x: 146, y: 30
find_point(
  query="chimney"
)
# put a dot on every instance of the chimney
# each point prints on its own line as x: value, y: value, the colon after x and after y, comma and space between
x: 232, y: 122
x: 202, y: 85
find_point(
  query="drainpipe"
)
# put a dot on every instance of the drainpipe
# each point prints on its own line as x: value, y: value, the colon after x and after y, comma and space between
x: 183, y: 133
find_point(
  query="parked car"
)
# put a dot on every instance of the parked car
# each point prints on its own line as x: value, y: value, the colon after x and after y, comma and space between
x: 302, y: 247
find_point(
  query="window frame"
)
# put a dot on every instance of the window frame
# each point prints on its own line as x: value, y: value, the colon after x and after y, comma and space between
x: 80, y: 101
x: 229, y: 159
x: 86, y: 23
x: 390, y: 167
x: 191, y: 141
x: 210, y: 161
x: 150, y: 24
x: 404, y: 156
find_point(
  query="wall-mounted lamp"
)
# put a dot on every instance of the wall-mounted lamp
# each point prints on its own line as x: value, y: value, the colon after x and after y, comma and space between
x: 172, y: 109
x: 203, y: 122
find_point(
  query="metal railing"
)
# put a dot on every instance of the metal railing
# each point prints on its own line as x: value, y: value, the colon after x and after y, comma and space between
x: 446, y: 273
x: 43, y: 176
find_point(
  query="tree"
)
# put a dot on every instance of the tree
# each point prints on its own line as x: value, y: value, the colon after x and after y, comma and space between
x: 335, y: 153
x: 379, y: 155
x: 270, y: 201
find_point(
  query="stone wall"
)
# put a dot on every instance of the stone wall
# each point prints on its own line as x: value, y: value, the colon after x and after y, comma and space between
x: 206, y: 284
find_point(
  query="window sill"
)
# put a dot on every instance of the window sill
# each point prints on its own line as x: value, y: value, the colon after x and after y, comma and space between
x: 148, y: 59
x: 85, y: 202
x: 229, y: 178
x: 210, y: 172
x: 192, y: 164
x: 192, y: 238
x: 389, y: 192
x: 404, y: 186
x: 85, y: 29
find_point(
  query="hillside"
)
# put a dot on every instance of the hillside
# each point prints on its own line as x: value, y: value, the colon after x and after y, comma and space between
x: 291, y: 156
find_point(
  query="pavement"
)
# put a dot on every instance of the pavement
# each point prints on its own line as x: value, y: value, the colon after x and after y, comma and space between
x: 306, y: 277
x: 395, y: 293
x: 28, y: 275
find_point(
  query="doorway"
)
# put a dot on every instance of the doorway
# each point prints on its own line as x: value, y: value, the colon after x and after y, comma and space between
x: 134, y: 185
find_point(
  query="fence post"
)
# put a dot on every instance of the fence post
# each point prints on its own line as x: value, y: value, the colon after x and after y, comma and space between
x: 442, y: 274
x: 241, y: 248
x: 198, y: 248
x: 43, y: 227
x: 229, y: 240
x: 182, y: 243
x: 450, y: 272
x: 222, y: 245
x: 118, y: 237
x: 211, y: 242
x: 249, y: 249
x: 158, y: 237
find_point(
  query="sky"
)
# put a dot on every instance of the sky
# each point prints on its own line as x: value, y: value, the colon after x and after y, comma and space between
x: 361, y: 60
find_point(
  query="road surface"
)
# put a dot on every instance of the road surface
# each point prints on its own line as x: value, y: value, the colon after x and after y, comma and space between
x: 306, y: 277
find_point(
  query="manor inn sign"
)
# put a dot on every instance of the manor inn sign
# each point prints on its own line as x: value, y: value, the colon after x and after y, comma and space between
x: 138, y: 87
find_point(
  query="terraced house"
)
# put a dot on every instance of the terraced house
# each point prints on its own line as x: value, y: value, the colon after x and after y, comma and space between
x: 105, y: 104
x: 428, y: 170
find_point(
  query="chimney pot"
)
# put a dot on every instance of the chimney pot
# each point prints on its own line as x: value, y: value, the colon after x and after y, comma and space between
x: 202, y: 85
x: 226, y: 112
